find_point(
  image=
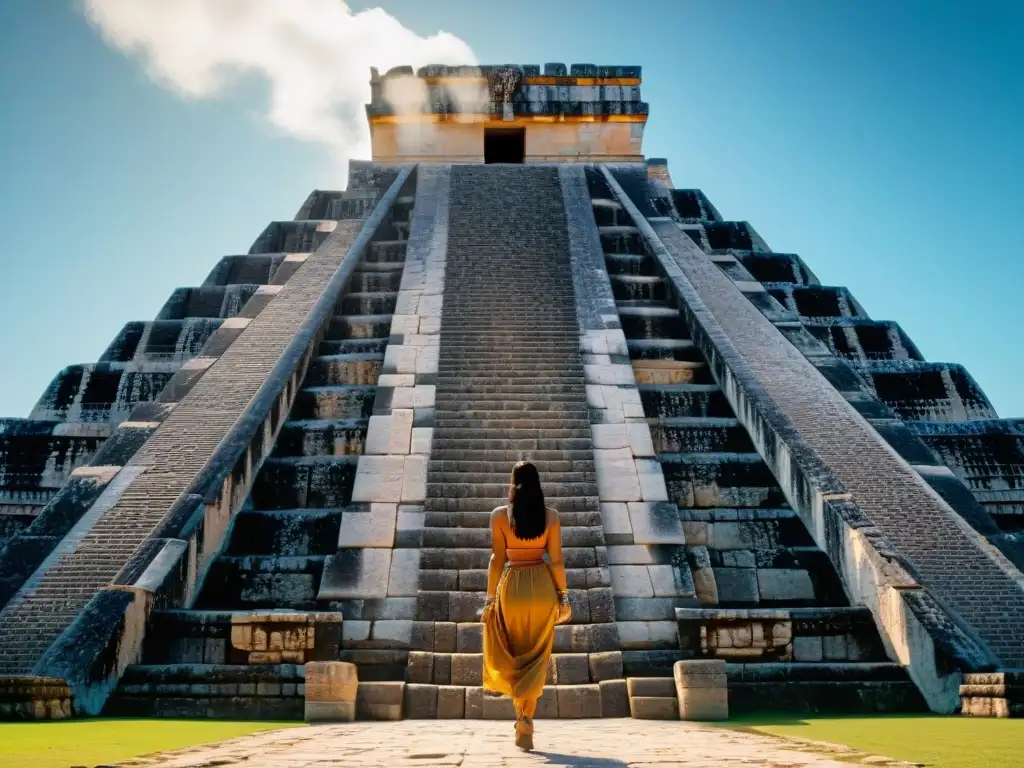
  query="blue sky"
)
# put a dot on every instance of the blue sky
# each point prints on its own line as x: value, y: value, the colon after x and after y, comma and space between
x: 879, y: 140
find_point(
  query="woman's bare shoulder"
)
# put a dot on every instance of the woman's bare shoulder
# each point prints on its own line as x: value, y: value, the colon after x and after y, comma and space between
x: 499, y: 513
x: 552, y: 514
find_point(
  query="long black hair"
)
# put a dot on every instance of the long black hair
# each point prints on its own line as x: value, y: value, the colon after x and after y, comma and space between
x: 527, y: 515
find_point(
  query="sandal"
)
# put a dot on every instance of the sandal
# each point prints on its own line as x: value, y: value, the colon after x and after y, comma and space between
x: 524, y: 734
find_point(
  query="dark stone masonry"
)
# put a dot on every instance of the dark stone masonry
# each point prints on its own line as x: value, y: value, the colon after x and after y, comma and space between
x: 769, y: 499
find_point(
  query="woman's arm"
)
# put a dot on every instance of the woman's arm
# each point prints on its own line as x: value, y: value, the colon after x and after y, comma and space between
x: 555, y: 552
x: 498, y: 555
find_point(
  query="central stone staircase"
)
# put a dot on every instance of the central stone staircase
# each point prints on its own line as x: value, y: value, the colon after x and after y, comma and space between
x: 510, y: 386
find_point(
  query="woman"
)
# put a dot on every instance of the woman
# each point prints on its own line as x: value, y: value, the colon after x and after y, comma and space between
x: 526, y: 597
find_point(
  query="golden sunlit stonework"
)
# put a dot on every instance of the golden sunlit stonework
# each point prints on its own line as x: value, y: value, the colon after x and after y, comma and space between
x: 452, y: 114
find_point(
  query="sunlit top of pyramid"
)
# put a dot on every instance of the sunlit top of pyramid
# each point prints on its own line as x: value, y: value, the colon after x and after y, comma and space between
x: 554, y: 113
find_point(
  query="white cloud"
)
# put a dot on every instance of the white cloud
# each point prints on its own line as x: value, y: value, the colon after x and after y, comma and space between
x: 314, y: 55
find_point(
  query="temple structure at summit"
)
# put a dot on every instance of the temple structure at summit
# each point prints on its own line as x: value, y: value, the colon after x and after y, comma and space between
x: 295, y: 461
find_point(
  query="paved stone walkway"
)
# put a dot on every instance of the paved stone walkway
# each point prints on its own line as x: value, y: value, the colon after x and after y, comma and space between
x: 483, y: 744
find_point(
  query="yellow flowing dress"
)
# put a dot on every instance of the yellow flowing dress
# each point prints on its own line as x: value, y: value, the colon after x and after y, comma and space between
x: 519, y: 627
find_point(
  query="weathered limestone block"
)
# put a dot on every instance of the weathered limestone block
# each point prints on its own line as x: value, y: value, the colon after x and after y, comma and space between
x: 34, y: 698
x: 331, y: 691
x: 356, y: 574
x: 421, y: 701
x: 108, y: 634
x: 614, y: 698
x: 578, y: 701
x: 495, y: 707
x: 380, y: 700
x: 652, y: 698
x: 702, y: 690
x: 736, y: 634
x: 451, y: 702
x: 606, y: 665
x: 992, y: 694
x: 368, y: 525
x: 284, y: 637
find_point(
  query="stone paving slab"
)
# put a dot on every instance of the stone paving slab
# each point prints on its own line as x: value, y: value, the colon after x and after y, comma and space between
x: 618, y: 743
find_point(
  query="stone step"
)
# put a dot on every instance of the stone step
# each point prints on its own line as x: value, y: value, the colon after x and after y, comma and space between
x: 375, y: 281
x: 630, y: 264
x: 453, y: 359
x: 654, y: 707
x: 482, y: 519
x: 464, y: 447
x: 467, y: 489
x: 286, y: 482
x: 723, y: 469
x: 498, y: 432
x: 665, y: 349
x: 478, y: 294
x: 512, y: 376
x: 484, y: 319
x: 550, y: 479
x: 333, y: 403
x: 475, y: 579
x: 621, y: 239
x: 484, y: 347
x: 451, y: 425
x: 822, y: 687
x: 250, y: 582
x: 464, y: 668
x: 648, y: 310
x: 381, y: 266
x: 483, y: 504
x: 648, y: 305
x: 481, y: 537
x: 527, y: 339
x: 241, y: 637
x: 501, y: 467
x: 515, y: 405
x: 322, y: 438
x: 467, y: 313
x: 831, y: 634
x: 456, y: 367
x: 385, y: 251
x: 649, y: 662
x: 461, y: 453
x: 699, y: 435
x: 638, y: 323
x: 469, y: 558
x: 755, y: 529
x: 369, y: 303
x: 684, y: 400
x: 589, y: 606
x: 429, y: 701
x: 639, y: 287
x: 357, y: 326
x: 285, y: 533
x: 344, y: 370
x: 510, y: 383
x: 661, y: 687
x: 268, y: 692
x: 572, y: 412
x: 490, y: 329
x: 503, y: 388
x: 352, y: 346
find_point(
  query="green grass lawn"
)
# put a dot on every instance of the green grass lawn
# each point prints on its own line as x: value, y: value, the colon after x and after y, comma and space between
x: 942, y: 742
x: 94, y: 742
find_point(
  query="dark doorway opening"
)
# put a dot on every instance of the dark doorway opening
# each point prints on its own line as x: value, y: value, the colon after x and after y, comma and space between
x: 504, y: 145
